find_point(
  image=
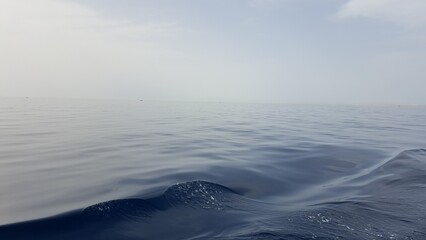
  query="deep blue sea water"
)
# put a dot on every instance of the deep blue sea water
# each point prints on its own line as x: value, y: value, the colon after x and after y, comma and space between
x: 99, y: 169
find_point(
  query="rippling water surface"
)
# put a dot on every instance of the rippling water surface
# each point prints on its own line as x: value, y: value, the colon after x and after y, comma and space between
x: 86, y: 169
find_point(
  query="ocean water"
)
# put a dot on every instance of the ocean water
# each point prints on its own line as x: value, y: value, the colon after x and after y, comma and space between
x: 98, y: 169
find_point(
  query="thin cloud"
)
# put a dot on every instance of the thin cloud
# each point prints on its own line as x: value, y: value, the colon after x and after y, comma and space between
x: 406, y: 13
x: 62, y: 48
x: 61, y: 16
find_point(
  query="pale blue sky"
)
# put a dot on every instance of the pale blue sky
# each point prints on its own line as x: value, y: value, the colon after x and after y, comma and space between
x: 289, y: 51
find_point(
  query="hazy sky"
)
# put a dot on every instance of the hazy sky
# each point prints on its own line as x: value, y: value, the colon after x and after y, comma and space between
x: 290, y: 51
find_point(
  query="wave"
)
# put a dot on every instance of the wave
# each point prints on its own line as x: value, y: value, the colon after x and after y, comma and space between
x: 407, y: 169
x: 386, y: 201
x: 90, y: 221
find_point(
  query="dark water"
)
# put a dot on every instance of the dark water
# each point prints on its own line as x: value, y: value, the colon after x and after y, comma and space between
x: 73, y: 169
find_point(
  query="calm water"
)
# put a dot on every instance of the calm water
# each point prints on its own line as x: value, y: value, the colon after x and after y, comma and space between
x: 74, y: 169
